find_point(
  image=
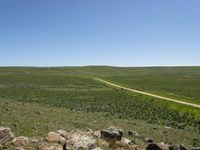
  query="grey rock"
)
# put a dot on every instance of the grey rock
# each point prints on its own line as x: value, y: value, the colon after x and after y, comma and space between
x: 54, y: 137
x: 132, y: 133
x: 6, y: 134
x: 81, y: 140
x: 96, y: 134
x: 126, y: 144
x: 20, y: 141
x: 112, y: 133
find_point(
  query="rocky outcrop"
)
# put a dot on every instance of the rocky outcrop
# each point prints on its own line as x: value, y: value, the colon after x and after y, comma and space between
x: 110, y: 138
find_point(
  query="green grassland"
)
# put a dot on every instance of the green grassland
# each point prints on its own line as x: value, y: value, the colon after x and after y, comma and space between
x: 180, y: 86
x: 34, y: 101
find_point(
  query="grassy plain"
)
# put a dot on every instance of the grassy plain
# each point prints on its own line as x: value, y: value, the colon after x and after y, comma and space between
x: 34, y: 101
x: 182, y: 83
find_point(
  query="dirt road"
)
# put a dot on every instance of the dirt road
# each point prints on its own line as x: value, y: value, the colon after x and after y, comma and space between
x: 148, y: 94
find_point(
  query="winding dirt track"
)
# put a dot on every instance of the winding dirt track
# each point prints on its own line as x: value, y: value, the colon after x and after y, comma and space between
x: 148, y: 94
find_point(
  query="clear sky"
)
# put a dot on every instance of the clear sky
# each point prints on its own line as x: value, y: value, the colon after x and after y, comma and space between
x: 99, y: 32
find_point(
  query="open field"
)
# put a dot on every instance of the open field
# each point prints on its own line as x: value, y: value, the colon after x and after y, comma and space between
x: 53, y: 94
x: 148, y: 94
x: 175, y: 85
x: 34, y: 120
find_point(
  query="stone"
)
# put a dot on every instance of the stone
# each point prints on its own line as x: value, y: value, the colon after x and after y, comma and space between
x: 96, y: 134
x: 102, y: 143
x: 32, y: 140
x: 181, y: 126
x: 54, y: 137
x: 148, y: 140
x: 97, y: 148
x: 167, y: 127
x: 81, y: 141
x: 112, y: 134
x: 173, y: 147
x: 63, y: 133
x: 107, y: 135
x: 110, y: 138
x: 196, y: 148
x: 20, y: 141
x: 50, y: 146
x: 163, y: 146
x: 182, y: 147
x: 27, y: 147
x: 126, y: 144
x: 19, y: 148
x: 132, y: 133
x: 177, y: 147
x: 152, y: 146
x: 6, y: 134
x: 89, y: 130
x: 24, y: 143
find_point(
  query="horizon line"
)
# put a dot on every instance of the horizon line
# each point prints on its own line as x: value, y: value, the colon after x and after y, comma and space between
x: 62, y: 66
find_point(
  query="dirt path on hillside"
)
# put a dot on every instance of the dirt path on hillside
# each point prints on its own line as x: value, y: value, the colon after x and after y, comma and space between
x: 148, y: 94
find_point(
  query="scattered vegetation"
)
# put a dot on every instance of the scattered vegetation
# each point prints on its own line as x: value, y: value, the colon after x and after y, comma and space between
x: 74, y: 90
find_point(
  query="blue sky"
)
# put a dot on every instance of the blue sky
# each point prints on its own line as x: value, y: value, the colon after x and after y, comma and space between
x: 99, y: 32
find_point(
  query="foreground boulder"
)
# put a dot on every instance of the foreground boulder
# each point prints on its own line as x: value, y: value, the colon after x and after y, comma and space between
x: 63, y: 133
x: 111, y: 138
x: 96, y: 134
x: 112, y: 134
x: 80, y: 140
x: 20, y: 141
x: 50, y: 146
x: 54, y: 137
x: 6, y: 134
